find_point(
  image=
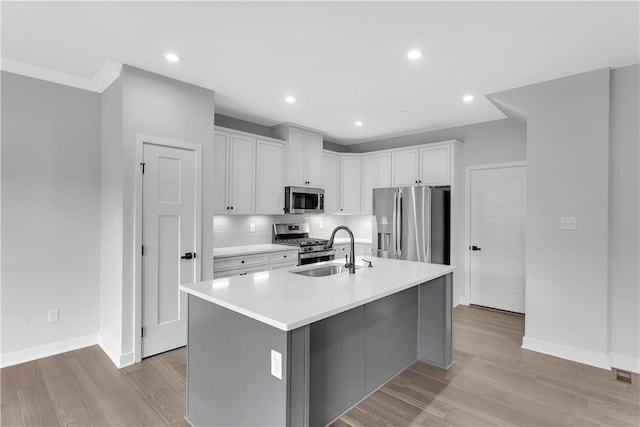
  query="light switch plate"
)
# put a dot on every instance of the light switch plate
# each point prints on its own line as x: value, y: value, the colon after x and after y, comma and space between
x: 252, y: 227
x: 567, y: 223
x: 53, y: 315
x: 276, y: 364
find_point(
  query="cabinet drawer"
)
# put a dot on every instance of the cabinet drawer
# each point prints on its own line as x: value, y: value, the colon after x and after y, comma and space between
x: 240, y: 261
x: 284, y: 256
x: 281, y: 265
x: 232, y: 272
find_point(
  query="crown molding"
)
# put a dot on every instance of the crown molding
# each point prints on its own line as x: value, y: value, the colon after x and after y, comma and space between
x: 103, y: 78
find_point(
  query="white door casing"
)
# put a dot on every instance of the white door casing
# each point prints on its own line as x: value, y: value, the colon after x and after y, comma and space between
x: 170, y: 192
x: 497, y: 238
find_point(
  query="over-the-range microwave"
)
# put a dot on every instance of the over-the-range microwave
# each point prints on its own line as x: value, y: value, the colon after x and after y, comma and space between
x: 303, y: 200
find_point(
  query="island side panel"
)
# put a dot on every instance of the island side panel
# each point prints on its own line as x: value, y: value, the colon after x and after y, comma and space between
x: 337, y: 363
x: 229, y: 379
x: 435, y: 322
x: 391, y: 336
x: 298, y: 375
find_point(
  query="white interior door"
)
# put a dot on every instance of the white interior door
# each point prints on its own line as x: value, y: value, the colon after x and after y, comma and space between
x: 497, y: 238
x: 169, y: 234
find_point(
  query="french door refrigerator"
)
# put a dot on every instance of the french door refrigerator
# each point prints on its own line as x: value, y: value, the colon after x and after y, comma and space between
x: 412, y: 223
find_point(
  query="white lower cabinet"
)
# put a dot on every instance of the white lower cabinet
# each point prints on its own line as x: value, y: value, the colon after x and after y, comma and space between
x: 240, y: 265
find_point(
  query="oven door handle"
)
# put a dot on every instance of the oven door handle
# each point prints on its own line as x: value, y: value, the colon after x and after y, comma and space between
x: 317, y: 254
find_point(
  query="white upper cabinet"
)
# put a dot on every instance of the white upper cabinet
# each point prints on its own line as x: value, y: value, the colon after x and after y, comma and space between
x: 331, y: 181
x: 234, y: 173
x: 383, y: 164
x: 304, y: 155
x: 376, y: 173
x: 242, y: 170
x: 270, y: 177
x: 248, y: 173
x: 405, y: 167
x: 369, y: 181
x: 435, y: 165
x: 429, y: 164
x: 220, y: 172
x: 350, y: 183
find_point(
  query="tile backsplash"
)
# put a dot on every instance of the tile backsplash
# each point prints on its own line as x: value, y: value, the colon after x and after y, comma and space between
x: 235, y: 230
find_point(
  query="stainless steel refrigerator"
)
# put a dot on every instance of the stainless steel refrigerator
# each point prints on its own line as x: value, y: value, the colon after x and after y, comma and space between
x: 412, y: 223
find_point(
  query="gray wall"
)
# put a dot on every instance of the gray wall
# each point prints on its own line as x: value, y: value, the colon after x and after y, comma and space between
x: 567, y: 175
x: 50, y: 212
x: 624, y: 216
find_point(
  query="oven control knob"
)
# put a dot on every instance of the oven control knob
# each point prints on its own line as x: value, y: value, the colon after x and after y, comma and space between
x: 326, y: 247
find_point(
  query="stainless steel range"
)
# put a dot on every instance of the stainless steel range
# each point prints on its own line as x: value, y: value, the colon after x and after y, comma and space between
x: 310, y: 250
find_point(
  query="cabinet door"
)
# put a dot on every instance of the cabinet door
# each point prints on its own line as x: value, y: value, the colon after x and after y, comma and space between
x: 243, y: 178
x: 270, y: 159
x: 369, y: 181
x: 220, y: 172
x: 331, y: 182
x: 434, y: 165
x: 383, y: 166
x: 351, y: 188
x: 405, y: 168
x: 313, y: 158
x: 296, y: 157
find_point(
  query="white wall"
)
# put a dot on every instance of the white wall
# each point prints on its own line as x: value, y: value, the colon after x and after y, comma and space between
x: 624, y: 219
x: 50, y: 217
x: 567, y: 175
x: 143, y: 103
x: 111, y: 220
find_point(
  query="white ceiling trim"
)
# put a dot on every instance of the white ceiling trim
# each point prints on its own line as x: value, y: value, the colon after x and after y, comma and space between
x: 103, y: 78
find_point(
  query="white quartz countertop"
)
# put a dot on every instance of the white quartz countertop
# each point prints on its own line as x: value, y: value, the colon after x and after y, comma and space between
x: 288, y: 301
x: 251, y: 249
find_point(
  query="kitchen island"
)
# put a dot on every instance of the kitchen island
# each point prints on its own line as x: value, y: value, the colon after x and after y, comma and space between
x: 279, y: 348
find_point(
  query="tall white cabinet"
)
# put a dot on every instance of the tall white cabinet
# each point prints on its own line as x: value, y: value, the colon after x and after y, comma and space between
x: 304, y: 154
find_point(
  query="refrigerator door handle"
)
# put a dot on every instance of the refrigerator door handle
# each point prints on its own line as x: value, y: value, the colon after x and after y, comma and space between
x: 398, y: 223
x: 394, y: 222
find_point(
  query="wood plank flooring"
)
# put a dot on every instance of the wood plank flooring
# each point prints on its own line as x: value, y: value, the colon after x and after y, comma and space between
x: 493, y: 382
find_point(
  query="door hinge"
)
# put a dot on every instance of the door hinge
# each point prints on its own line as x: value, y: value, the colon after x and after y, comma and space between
x: 143, y: 250
x: 142, y: 166
x: 142, y: 332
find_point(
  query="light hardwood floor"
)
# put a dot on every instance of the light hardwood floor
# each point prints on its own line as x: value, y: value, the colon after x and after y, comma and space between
x: 493, y: 382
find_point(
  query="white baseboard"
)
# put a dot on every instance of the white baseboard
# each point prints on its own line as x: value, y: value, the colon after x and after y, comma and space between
x: 22, y: 356
x: 625, y: 363
x: 121, y: 360
x: 566, y: 352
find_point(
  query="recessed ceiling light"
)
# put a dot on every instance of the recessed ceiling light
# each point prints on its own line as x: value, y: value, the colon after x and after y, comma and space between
x: 290, y: 99
x: 359, y: 123
x: 172, y: 57
x: 414, y: 54
x: 468, y: 98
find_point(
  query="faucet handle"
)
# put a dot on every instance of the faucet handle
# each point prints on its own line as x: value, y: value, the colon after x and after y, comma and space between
x: 370, y: 265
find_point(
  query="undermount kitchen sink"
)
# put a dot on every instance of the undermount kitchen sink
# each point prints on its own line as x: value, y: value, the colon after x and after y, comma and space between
x: 325, y: 270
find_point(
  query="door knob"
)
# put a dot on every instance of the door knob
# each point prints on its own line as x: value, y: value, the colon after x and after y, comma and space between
x: 475, y: 248
x: 188, y: 255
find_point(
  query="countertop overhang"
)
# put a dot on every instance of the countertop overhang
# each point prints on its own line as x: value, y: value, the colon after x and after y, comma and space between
x: 288, y: 301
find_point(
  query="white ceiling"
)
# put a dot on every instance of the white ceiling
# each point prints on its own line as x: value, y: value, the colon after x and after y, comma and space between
x: 343, y: 61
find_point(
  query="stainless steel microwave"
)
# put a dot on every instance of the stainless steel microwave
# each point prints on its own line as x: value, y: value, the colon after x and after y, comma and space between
x: 303, y: 200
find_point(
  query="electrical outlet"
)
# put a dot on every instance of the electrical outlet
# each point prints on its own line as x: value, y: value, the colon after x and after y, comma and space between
x: 53, y: 315
x: 276, y: 364
x: 321, y: 224
x: 252, y: 227
x: 567, y: 223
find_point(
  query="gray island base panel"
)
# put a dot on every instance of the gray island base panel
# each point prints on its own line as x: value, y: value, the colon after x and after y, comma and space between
x: 327, y: 367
